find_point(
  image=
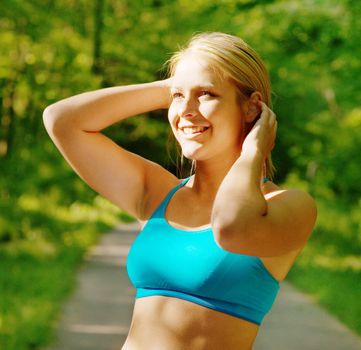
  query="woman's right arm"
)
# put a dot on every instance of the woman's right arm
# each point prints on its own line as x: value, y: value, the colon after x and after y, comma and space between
x: 74, y: 125
x: 95, y: 110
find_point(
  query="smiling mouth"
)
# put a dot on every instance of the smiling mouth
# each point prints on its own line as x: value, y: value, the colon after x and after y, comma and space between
x: 193, y: 131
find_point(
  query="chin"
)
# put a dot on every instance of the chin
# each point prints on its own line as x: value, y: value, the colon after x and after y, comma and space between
x: 196, y: 155
x: 189, y: 155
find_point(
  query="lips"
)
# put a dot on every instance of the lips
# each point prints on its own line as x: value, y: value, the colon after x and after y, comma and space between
x: 196, y: 128
x: 193, y: 130
x: 189, y: 132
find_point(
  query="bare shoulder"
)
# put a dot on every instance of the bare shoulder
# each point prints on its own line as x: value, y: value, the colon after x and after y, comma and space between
x: 283, y: 230
x: 294, y: 203
x: 290, y: 196
x: 157, y: 183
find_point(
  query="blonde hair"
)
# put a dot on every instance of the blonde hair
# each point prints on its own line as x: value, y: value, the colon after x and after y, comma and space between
x: 235, y: 59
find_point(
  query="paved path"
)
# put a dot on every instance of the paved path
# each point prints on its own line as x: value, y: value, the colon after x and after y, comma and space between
x: 98, y: 315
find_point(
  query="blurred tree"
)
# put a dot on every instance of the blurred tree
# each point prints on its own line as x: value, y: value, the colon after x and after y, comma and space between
x: 55, y: 49
x: 97, y: 44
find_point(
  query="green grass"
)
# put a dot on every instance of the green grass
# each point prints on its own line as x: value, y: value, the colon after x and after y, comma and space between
x: 329, y: 267
x: 34, y: 289
x: 43, y: 242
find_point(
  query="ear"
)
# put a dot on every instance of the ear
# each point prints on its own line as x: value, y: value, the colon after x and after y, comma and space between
x: 254, y: 109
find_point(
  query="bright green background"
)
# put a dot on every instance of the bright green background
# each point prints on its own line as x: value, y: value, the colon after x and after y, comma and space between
x: 50, y: 50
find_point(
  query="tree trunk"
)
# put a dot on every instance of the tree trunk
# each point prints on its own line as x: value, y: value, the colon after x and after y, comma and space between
x: 97, y: 38
x: 10, y: 135
x: 3, y: 83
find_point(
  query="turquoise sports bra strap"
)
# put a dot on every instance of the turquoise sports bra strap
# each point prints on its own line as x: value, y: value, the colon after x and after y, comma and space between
x: 183, y: 182
x: 161, y: 209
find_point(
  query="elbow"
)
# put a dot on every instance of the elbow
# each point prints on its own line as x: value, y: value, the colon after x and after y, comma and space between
x: 224, y: 237
x: 47, y: 112
x: 226, y: 227
x: 227, y: 241
x: 54, y: 117
x: 231, y: 234
x: 219, y: 235
x: 50, y: 116
x: 219, y: 230
x: 235, y: 239
x: 236, y: 243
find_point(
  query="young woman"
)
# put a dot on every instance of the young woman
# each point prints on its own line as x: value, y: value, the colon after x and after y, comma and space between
x: 215, y: 246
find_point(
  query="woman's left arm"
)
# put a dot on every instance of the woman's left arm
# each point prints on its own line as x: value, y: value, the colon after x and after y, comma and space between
x: 243, y: 220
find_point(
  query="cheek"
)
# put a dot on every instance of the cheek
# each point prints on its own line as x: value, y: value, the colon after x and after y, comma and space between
x: 231, y: 124
x: 223, y: 115
x: 236, y: 116
x: 210, y: 108
x: 171, y: 115
x: 172, y: 119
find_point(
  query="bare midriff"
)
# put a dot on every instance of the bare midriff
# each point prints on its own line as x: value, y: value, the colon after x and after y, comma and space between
x: 167, y: 323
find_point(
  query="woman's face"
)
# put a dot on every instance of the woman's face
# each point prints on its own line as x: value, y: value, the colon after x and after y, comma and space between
x: 200, y: 97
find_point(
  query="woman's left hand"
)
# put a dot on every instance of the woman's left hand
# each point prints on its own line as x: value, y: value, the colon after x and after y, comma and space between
x: 261, y: 138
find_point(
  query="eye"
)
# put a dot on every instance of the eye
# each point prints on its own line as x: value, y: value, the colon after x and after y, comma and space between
x: 206, y: 93
x: 176, y: 95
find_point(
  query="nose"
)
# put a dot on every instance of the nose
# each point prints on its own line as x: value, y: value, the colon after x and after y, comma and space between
x: 188, y: 108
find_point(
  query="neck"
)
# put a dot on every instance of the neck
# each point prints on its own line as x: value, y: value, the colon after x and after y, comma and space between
x: 209, y: 175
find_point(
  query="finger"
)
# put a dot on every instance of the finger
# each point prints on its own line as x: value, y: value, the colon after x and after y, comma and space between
x: 264, y: 117
x: 274, y: 135
x: 267, y: 113
x: 264, y: 108
x: 272, y: 118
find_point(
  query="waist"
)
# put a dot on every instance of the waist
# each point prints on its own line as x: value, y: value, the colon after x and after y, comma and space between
x: 180, y: 324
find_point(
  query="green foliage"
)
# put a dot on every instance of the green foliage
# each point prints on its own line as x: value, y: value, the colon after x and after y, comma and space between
x: 329, y: 268
x: 310, y: 47
x: 44, y: 233
x: 32, y: 290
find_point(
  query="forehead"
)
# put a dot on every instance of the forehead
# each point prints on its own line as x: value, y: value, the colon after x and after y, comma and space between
x: 193, y: 70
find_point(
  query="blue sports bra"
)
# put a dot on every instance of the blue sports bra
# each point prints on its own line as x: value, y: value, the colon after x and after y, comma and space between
x: 190, y: 265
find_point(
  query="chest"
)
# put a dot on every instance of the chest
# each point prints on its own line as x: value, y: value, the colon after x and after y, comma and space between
x: 188, y: 214
x: 163, y: 257
x: 192, y: 215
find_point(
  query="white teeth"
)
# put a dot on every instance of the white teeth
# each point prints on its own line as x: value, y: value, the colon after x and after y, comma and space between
x: 192, y: 130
